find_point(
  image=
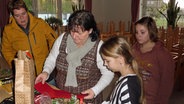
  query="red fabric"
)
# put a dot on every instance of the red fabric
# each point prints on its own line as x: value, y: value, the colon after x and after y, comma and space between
x: 53, y: 93
x: 88, y: 5
x: 135, y: 10
x: 28, y: 55
x: 4, y: 13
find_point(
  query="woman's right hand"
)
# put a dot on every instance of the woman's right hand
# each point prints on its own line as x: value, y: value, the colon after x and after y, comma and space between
x: 42, y: 77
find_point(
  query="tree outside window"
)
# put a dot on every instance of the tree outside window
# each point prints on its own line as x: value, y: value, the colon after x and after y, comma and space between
x: 149, y: 8
x: 51, y: 8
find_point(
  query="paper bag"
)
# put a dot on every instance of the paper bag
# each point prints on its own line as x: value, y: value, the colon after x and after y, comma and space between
x: 24, y: 78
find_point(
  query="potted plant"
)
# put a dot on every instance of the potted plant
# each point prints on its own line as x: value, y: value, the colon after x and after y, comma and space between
x: 77, y: 5
x: 54, y: 21
x: 172, y: 16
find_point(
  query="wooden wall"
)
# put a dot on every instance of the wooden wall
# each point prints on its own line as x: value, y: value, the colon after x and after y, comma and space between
x: 112, y: 10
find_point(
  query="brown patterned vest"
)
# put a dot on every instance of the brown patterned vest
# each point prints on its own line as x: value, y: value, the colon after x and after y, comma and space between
x: 87, y: 74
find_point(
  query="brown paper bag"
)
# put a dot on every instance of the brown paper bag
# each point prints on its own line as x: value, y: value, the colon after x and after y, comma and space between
x: 24, y: 78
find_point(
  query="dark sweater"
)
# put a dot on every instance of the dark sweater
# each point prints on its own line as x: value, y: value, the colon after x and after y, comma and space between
x: 127, y: 90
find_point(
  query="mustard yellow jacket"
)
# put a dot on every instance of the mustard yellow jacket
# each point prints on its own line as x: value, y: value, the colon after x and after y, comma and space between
x: 39, y: 41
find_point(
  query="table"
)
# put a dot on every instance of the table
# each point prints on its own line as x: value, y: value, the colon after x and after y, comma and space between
x: 5, y: 91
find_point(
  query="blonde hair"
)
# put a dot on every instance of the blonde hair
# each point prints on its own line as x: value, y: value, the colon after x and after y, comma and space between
x: 116, y: 46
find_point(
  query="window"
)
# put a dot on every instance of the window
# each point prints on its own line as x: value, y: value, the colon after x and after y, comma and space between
x: 66, y: 10
x: 149, y: 8
x: 47, y: 8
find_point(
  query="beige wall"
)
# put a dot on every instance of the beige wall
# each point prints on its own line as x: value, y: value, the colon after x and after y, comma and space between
x: 112, y: 10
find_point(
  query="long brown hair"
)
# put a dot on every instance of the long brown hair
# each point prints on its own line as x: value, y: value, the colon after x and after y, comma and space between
x: 150, y: 24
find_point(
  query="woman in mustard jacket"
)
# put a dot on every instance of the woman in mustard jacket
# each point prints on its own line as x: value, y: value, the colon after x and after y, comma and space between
x: 26, y: 32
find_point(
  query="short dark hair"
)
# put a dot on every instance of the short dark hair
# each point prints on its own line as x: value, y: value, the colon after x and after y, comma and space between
x: 151, y: 26
x: 86, y: 21
x: 16, y: 4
